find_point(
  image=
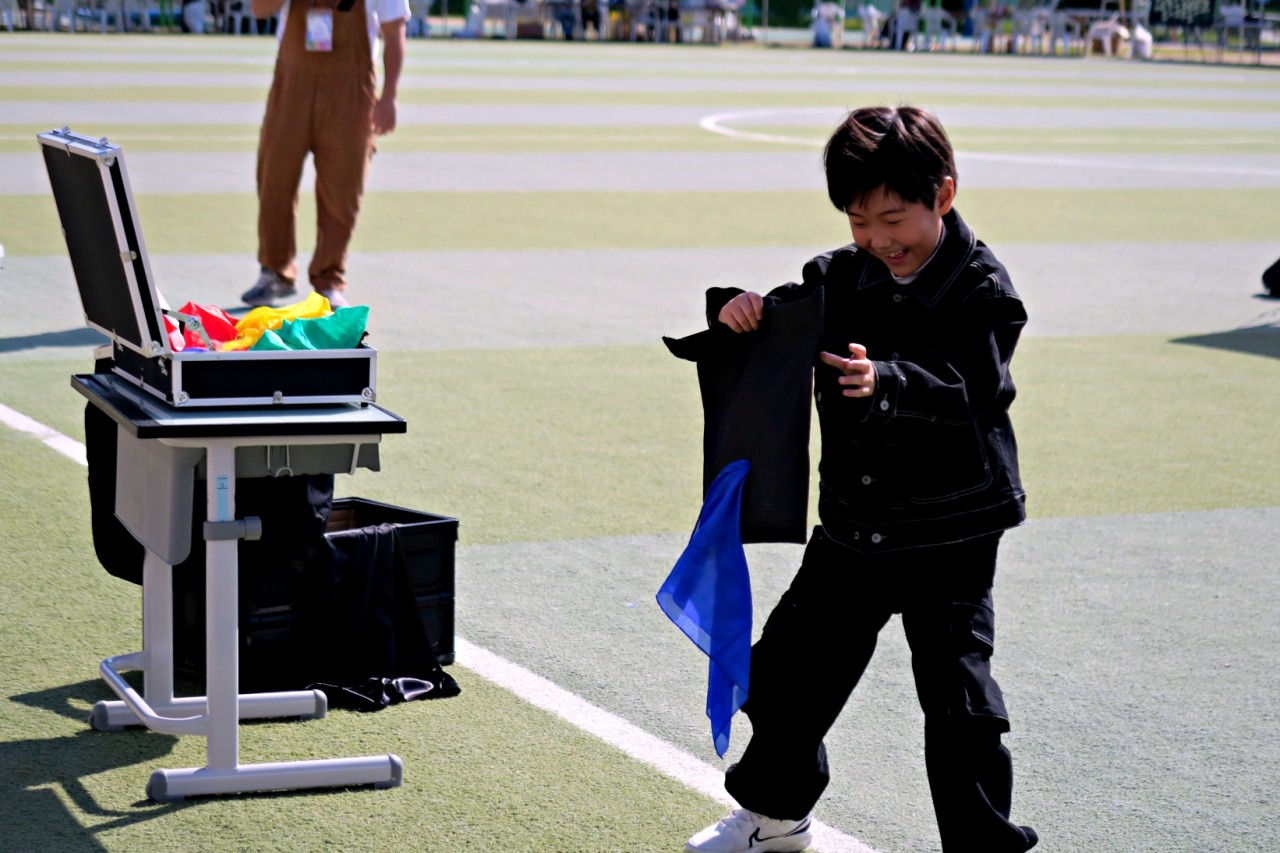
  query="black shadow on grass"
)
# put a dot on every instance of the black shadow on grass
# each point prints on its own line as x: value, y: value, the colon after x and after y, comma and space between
x: 1251, y: 340
x: 79, y: 338
x: 32, y: 816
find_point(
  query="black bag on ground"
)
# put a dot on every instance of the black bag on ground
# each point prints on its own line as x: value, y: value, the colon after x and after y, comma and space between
x: 1271, y: 279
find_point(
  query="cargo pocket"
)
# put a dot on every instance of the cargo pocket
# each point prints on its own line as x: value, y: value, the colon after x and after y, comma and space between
x: 973, y: 630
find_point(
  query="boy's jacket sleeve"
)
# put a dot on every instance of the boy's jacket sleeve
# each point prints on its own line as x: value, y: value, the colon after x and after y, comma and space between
x: 756, y: 400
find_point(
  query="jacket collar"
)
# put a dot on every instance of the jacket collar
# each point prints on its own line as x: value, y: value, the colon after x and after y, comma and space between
x: 952, y: 257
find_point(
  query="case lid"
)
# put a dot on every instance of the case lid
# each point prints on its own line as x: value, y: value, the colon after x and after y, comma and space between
x: 91, y: 190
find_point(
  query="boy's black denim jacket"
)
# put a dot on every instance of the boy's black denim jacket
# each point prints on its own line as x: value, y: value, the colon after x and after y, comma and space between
x: 930, y: 457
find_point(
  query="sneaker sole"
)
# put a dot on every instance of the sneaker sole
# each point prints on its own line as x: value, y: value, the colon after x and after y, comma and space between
x: 785, y: 844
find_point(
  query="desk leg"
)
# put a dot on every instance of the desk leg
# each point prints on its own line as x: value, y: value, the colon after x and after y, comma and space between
x: 223, y: 773
x: 160, y: 708
x: 156, y: 657
x: 222, y: 615
x: 157, y: 631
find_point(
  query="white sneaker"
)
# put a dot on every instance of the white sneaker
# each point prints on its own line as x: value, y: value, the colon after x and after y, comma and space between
x: 335, y: 297
x: 745, y: 831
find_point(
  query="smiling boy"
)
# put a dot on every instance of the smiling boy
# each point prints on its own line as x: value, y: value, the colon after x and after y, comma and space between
x: 918, y: 480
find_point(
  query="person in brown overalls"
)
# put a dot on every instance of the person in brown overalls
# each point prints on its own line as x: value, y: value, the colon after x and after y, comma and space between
x: 323, y: 101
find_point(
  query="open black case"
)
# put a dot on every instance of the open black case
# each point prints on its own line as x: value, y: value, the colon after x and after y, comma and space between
x: 117, y: 290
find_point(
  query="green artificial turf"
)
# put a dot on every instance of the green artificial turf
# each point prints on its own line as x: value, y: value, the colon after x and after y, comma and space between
x: 604, y: 437
x: 392, y: 221
x: 811, y: 131
x: 483, y: 770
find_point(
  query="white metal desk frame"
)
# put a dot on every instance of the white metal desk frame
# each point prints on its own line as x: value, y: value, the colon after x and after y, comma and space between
x: 216, y: 715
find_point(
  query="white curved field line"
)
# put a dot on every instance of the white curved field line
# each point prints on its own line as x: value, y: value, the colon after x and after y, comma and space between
x: 716, y: 123
x: 539, y: 691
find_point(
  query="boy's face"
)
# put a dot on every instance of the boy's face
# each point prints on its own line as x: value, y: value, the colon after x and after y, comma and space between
x: 901, y: 234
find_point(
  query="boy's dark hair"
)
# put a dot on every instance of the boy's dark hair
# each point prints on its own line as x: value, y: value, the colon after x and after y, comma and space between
x: 903, y: 150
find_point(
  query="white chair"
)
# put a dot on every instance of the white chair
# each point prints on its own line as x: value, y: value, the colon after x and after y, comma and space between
x: 984, y: 28
x: 701, y: 21
x: 730, y: 17
x: 1031, y: 26
x: 939, y: 28
x: 1030, y: 32
x: 1065, y: 29
x: 1108, y: 33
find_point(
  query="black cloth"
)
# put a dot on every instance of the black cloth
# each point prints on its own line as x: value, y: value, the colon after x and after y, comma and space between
x: 816, y: 645
x: 755, y: 390
x: 118, y: 552
x: 367, y: 646
x: 930, y: 457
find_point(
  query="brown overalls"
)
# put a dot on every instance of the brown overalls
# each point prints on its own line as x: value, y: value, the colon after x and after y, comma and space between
x: 321, y: 102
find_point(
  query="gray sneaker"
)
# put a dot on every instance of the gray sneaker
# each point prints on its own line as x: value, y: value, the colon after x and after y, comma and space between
x: 335, y: 297
x: 271, y: 287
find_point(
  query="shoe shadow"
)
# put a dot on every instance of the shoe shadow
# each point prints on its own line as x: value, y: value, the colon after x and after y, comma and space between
x: 1261, y: 340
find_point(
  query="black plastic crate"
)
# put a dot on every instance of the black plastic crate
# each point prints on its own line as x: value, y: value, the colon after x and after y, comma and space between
x: 269, y: 594
x: 428, y: 544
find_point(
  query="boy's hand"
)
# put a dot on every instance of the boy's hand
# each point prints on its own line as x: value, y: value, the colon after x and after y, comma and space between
x: 859, y: 373
x: 743, y: 312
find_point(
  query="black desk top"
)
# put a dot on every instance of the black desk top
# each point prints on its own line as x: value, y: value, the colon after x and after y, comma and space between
x: 148, y: 417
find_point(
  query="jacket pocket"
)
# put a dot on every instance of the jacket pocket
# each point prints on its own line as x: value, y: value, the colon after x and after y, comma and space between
x: 944, y: 462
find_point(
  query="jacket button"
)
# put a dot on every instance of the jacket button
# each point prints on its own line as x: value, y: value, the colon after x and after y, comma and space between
x: 866, y: 479
x: 857, y: 535
x: 884, y: 405
x: 894, y: 356
x: 897, y: 297
x: 876, y: 537
x: 818, y: 397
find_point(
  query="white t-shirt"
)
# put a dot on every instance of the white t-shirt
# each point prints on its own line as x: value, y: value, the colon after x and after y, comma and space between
x: 378, y: 12
x: 907, y: 279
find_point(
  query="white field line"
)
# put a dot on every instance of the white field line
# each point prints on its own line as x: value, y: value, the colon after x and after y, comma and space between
x: 715, y: 124
x: 68, y: 447
x: 626, y: 736
x: 536, y: 690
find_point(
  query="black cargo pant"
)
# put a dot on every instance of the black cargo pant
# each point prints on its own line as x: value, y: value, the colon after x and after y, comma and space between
x: 814, y: 648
